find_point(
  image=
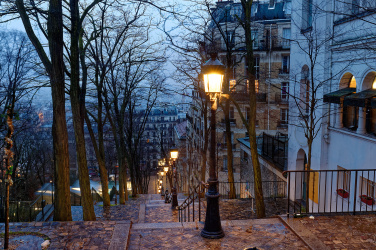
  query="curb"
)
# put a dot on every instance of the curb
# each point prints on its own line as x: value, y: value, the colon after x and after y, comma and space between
x: 293, y: 230
x: 129, y: 236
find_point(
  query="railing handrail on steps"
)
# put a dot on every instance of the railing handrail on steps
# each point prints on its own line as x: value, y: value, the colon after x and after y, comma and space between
x: 193, y: 194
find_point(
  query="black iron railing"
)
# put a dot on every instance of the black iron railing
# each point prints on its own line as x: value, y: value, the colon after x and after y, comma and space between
x: 96, y: 196
x: 274, y: 148
x: 189, y: 209
x: 331, y: 191
x: 75, y: 199
x: 244, y: 190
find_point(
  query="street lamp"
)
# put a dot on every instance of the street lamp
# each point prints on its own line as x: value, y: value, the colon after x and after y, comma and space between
x: 174, y: 155
x: 213, y: 72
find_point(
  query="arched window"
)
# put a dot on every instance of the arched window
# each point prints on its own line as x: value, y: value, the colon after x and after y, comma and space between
x: 371, y: 112
x: 304, y: 90
x: 350, y: 113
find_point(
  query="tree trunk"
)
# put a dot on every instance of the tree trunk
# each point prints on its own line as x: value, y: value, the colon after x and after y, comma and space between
x: 260, y: 206
x: 230, y: 165
x: 8, y: 156
x: 62, y: 208
x: 99, y: 153
x: 78, y: 108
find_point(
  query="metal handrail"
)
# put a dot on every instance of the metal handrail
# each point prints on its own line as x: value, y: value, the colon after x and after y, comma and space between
x: 184, y: 209
x: 96, y: 196
x: 330, y: 191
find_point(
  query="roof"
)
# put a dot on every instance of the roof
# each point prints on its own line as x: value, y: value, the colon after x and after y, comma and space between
x: 228, y: 11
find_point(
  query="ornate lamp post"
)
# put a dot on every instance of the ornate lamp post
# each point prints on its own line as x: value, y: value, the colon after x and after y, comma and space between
x: 161, y: 163
x: 174, y: 155
x: 213, y: 72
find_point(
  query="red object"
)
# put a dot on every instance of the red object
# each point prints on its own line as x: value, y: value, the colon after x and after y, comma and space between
x: 366, y: 199
x: 343, y: 193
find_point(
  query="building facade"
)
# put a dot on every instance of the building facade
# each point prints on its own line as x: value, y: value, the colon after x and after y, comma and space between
x: 333, y: 75
x: 271, y: 30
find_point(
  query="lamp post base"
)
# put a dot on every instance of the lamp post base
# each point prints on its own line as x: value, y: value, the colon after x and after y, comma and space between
x: 174, y: 202
x: 212, y: 228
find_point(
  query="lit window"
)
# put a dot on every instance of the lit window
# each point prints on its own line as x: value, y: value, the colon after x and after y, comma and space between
x: 353, y: 82
x: 232, y: 85
x: 257, y: 87
x: 374, y: 84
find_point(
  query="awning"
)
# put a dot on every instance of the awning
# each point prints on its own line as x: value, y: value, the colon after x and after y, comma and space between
x: 335, y: 97
x: 360, y: 99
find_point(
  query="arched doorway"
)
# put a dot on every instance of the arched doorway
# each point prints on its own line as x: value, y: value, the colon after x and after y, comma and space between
x: 301, y: 178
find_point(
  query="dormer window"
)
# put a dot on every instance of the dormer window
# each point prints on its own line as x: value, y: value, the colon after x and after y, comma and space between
x: 271, y: 4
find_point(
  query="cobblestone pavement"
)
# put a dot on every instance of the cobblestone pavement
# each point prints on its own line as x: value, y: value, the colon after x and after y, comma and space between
x: 267, y: 234
x: 127, y: 212
x: 69, y: 235
x: 239, y: 209
x: 155, y: 227
x: 337, y: 232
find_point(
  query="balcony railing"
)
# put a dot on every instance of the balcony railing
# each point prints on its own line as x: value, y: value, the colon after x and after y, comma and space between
x: 281, y: 100
x: 284, y: 71
x: 274, y: 148
x: 331, y: 191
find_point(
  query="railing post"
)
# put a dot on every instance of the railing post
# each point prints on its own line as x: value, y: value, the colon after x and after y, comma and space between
x: 355, y: 190
x: 193, y: 206
x: 199, y: 203
x: 288, y: 195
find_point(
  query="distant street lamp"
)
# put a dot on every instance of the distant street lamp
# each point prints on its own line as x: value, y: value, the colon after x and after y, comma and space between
x: 174, y: 155
x: 213, y: 72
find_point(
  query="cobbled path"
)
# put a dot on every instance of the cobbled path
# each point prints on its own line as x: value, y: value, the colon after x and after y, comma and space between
x: 149, y: 223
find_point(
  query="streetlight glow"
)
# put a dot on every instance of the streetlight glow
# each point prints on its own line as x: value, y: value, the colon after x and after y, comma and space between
x: 213, y: 83
x: 213, y: 72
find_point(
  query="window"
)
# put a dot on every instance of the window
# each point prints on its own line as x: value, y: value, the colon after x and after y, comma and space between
x: 343, y: 179
x: 247, y: 114
x: 232, y: 85
x: 351, y: 113
x: 284, y: 117
x: 271, y: 4
x: 232, y: 113
x: 284, y: 91
x: 254, y: 34
x: 307, y: 14
x: 304, y: 90
x: 225, y: 167
x: 367, y: 187
x: 230, y: 38
x: 257, y: 86
x: 256, y: 65
x: 286, y: 36
x: 285, y: 64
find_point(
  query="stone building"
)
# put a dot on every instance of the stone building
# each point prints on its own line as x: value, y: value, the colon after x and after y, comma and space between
x: 340, y: 37
x: 271, y: 31
x: 159, y: 134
